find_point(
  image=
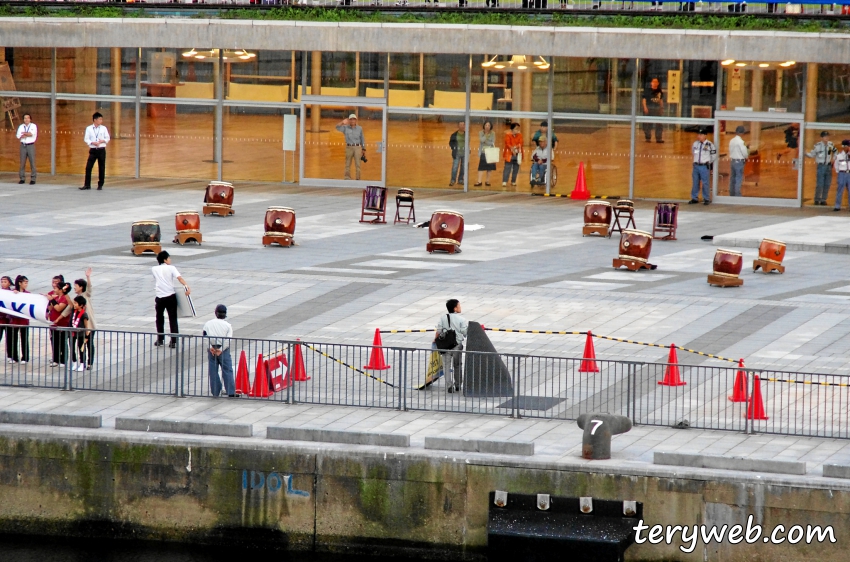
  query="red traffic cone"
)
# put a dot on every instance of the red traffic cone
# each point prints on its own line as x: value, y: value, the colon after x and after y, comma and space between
x: 671, y: 373
x: 739, y: 389
x: 300, y: 373
x: 261, y: 380
x: 376, y: 359
x: 588, y: 362
x: 756, y: 409
x: 580, y: 192
x: 243, y: 385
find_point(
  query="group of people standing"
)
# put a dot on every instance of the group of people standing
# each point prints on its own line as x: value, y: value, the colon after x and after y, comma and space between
x: 72, y: 323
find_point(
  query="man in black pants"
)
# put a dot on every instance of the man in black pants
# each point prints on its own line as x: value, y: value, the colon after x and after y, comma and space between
x: 164, y: 276
x: 96, y: 138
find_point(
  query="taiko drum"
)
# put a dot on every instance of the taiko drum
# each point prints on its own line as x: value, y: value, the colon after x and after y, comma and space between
x: 597, y: 213
x: 625, y: 204
x: 445, y: 231
x: 187, y: 221
x: 219, y: 193
x: 772, y: 251
x: 635, y: 245
x: 145, y: 232
x: 728, y: 263
x: 405, y: 194
x: 280, y: 221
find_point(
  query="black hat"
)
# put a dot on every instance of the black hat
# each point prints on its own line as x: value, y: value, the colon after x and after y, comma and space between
x: 845, y: 142
x: 702, y: 131
x: 824, y: 133
x: 221, y: 311
x: 740, y: 129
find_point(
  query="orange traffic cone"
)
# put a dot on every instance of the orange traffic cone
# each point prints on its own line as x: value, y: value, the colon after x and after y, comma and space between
x: 376, y: 359
x: 300, y: 372
x: 580, y: 192
x: 588, y: 361
x: 756, y: 409
x: 671, y: 373
x: 739, y: 389
x: 261, y: 380
x: 243, y: 385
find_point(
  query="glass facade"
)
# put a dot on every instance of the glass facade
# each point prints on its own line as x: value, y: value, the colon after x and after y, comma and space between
x: 217, y: 113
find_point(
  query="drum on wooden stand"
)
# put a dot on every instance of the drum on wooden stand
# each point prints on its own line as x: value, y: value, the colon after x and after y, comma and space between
x: 218, y: 199
x: 188, y: 225
x: 445, y: 232
x: 146, y: 237
x: 727, y: 267
x: 635, y: 246
x: 771, y: 254
x: 597, y: 218
x: 279, y: 226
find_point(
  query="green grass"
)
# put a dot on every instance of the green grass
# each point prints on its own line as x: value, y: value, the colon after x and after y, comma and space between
x: 660, y: 21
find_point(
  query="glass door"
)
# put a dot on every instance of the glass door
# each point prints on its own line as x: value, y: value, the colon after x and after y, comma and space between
x: 767, y: 168
x: 331, y: 155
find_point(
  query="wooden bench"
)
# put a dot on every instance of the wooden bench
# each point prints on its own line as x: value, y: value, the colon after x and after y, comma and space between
x: 457, y: 100
x: 197, y: 90
x: 258, y: 92
x: 399, y: 98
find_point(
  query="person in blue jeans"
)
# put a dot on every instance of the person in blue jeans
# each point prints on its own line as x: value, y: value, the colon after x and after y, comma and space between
x: 704, y: 153
x: 457, y: 142
x: 220, y: 331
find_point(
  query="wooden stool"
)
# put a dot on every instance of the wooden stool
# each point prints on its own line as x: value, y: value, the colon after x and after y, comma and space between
x: 374, y: 204
x: 626, y: 208
x: 404, y: 200
x: 666, y: 220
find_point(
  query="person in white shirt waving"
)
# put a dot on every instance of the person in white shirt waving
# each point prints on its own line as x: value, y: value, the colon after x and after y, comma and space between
x: 97, y: 137
x: 27, y: 134
x: 164, y: 276
x: 220, y: 331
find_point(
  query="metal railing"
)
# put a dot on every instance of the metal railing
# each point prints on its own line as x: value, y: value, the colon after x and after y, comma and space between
x: 806, y: 404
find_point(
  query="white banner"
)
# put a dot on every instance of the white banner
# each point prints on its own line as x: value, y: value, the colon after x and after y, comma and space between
x: 24, y: 305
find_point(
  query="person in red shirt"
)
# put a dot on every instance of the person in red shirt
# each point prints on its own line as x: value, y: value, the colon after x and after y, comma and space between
x: 5, y: 284
x: 19, y: 330
x: 58, y: 338
x: 81, y: 322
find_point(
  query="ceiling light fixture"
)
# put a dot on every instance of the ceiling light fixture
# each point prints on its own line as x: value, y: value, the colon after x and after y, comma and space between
x: 727, y: 62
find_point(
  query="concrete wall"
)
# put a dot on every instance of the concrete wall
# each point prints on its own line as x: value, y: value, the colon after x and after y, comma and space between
x: 349, y: 498
x: 428, y: 38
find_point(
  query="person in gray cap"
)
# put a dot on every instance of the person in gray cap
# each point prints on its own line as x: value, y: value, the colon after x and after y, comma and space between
x: 738, y: 153
x: 842, y: 167
x: 823, y: 153
x: 355, y: 144
x: 219, y: 331
x: 704, y: 153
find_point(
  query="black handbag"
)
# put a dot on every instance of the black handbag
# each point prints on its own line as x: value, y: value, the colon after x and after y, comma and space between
x: 447, y: 339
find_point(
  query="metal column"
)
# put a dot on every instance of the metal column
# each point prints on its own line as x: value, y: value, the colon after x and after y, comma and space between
x: 466, y: 126
x: 550, y: 130
x: 53, y: 112
x: 138, y: 110
x: 219, y: 113
x: 633, y: 128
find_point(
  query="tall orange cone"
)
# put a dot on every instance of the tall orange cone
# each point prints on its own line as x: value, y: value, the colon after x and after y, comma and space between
x: 580, y: 192
x: 261, y: 380
x: 588, y: 361
x: 376, y: 358
x: 671, y: 373
x: 243, y: 385
x: 299, y: 371
x: 739, y: 389
x: 756, y: 409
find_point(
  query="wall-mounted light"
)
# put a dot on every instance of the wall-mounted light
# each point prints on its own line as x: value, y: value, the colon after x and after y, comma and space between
x: 727, y: 62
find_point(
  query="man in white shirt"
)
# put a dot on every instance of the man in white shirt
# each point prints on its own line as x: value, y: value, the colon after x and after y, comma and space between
x: 164, y: 276
x: 27, y: 134
x: 738, y: 153
x: 453, y: 321
x: 219, y: 331
x: 96, y: 139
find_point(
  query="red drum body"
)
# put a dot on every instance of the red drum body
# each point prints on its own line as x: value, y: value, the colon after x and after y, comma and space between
x: 772, y: 251
x: 635, y: 245
x: 279, y: 226
x: 146, y: 237
x: 218, y: 199
x: 728, y: 263
x: 597, y: 213
x: 445, y: 232
x: 187, y: 221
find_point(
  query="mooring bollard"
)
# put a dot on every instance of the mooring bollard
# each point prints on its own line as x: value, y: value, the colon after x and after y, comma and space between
x: 598, y: 429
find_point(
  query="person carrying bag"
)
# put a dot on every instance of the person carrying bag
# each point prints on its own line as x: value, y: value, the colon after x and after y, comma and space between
x: 451, y: 333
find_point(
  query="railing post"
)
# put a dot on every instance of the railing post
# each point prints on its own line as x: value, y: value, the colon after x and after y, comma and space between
x: 751, y: 382
x: 629, y: 405
x: 178, y: 373
x: 290, y: 371
x: 515, y: 393
x: 403, y: 388
x: 66, y: 343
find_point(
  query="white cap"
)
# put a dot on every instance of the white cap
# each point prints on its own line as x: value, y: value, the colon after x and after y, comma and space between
x: 352, y: 116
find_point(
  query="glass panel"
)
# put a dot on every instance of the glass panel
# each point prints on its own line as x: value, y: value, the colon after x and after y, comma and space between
x: 770, y: 170
x: 591, y: 85
x: 665, y: 171
x: 73, y: 117
x: 833, y: 94
x: 177, y: 141
x: 677, y: 88
x: 763, y: 86
x: 602, y: 147
x: 25, y: 69
x: 10, y: 146
x: 326, y: 153
x: 418, y: 151
x: 268, y: 76
x: 181, y: 73
x: 101, y: 71
x: 253, y: 148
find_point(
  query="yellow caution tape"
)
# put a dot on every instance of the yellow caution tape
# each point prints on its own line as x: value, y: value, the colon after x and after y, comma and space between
x: 344, y: 364
x: 792, y: 381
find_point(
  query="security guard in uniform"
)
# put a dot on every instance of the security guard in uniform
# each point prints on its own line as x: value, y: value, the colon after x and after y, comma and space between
x: 842, y: 166
x: 823, y: 153
x: 705, y: 154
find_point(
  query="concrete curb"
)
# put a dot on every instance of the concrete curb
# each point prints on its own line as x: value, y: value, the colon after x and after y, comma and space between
x: 43, y: 418
x: 836, y: 471
x: 480, y: 446
x: 195, y: 428
x: 338, y: 436
x: 730, y: 463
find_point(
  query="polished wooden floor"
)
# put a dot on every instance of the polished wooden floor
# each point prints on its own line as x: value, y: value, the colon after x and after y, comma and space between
x: 418, y: 154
